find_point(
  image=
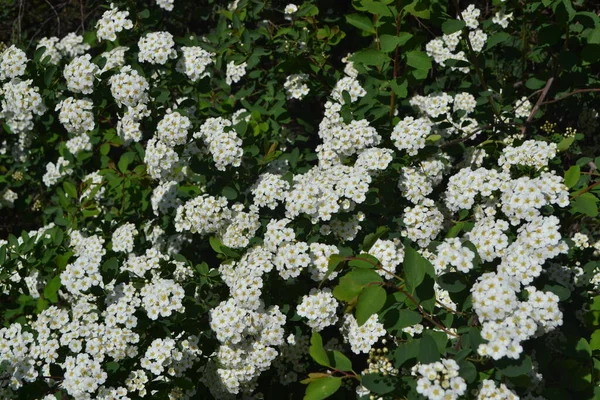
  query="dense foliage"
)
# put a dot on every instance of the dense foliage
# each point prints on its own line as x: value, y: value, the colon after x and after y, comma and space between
x: 385, y: 199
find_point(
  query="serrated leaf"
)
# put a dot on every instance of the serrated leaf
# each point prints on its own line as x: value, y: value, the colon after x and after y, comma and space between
x: 229, y: 193
x: 453, y: 282
x: 70, y: 189
x: 595, y: 340
x: 370, y: 301
x: 572, y: 176
x: 377, y: 383
x: 353, y: 282
x: 513, y: 368
x: 322, y: 388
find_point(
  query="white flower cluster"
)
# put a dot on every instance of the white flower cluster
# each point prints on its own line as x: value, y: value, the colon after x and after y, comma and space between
x: 83, y: 375
x: 194, y: 61
x: 112, y: 22
x: 290, y: 9
x: 20, y: 103
x: 422, y: 222
x: 164, y: 197
x: 162, y: 161
x: 523, y: 108
x: 7, y: 198
x: 140, y: 265
x: 349, y: 84
x: 166, y: 4
x: 390, y: 254
x: 362, y: 338
x: 80, y: 74
x: 78, y: 144
x: 296, y: 87
x: 470, y: 15
x: 56, y: 171
x: 115, y: 58
x: 269, y: 190
x: 72, y: 45
x: 173, y: 129
x: 156, y: 48
x: 12, y: 63
x: 76, y: 115
x: 129, y: 88
x: 417, y: 182
x: 533, y: 153
x: 241, y: 227
x: 410, y: 133
x: 234, y: 72
x: 374, y: 159
x: 322, y: 192
x: 502, y: 19
x: 451, y: 252
x: 319, y: 257
x: 345, y: 139
x: 161, y: 297
x: 319, y: 308
x: 489, y: 391
x: 93, y: 186
x: 507, y: 322
x: 439, y: 380
x: 123, y: 237
x: 223, y: 143
x: 203, y: 214
x: 84, y: 272
x: 247, y: 338
x: 50, y: 49
x: 489, y: 237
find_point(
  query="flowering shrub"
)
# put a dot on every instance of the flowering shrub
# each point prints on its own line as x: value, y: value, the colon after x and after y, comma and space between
x: 384, y: 200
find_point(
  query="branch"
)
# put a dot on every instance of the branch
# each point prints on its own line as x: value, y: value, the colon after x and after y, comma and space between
x: 571, y: 94
x: 537, y: 104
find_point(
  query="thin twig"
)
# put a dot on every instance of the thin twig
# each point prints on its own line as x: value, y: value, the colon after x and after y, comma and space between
x: 571, y: 94
x: 57, y: 17
x: 537, y: 105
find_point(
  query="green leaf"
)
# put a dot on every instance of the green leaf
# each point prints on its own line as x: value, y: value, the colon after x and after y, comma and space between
x: 407, y: 318
x: 565, y: 143
x: 595, y: 340
x: 370, y: 57
x: 125, y: 160
x: 418, y: 60
x: 453, y: 282
x: 144, y: 14
x: 513, y: 368
x: 587, y: 204
x: 316, y: 350
x: 353, y: 282
x: 377, y: 383
x: 419, y: 8
x: 322, y: 388
x: 362, y: 22
x: 70, y: 189
x: 415, y: 267
x: 406, y: 351
x: 370, y: 301
x: 340, y: 361
x: 428, y: 350
x: 51, y: 289
x: 535, y: 83
x: 500, y: 37
x: 452, y: 25
x: 572, y: 176
x: 594, y: 36
x: 229, y: 193
x: 401, y: 89
x: 377, y: 8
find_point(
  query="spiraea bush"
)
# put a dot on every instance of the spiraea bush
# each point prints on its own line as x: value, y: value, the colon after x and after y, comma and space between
x: 379, y: 199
